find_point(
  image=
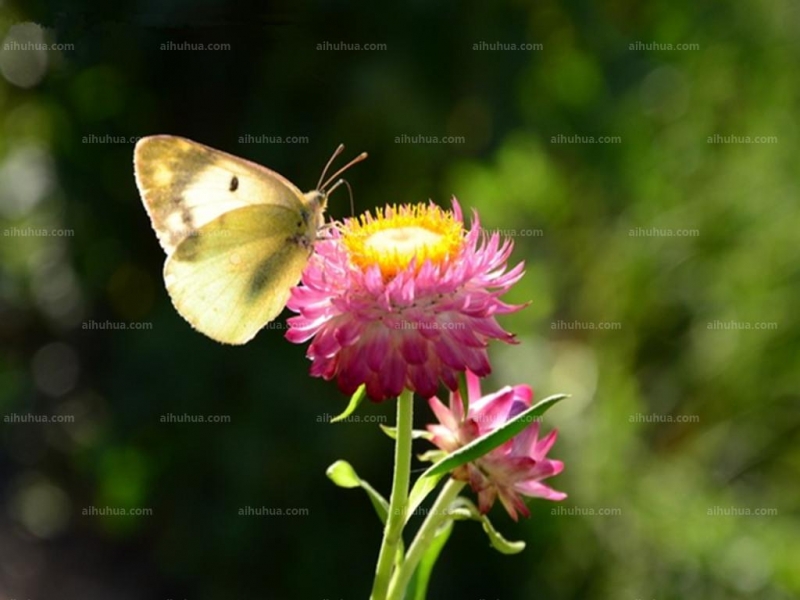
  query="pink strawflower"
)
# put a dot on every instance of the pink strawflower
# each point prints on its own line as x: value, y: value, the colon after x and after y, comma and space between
x: 510, y: 471
x: 403, y: 300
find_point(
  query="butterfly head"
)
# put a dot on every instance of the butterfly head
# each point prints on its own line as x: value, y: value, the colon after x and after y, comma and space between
x: 316, y: 203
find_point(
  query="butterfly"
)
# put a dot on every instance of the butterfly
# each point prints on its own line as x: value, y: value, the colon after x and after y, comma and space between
x: 237, y: 235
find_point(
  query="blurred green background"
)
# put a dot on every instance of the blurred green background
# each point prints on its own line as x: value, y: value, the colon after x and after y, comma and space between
x: 653, y: 263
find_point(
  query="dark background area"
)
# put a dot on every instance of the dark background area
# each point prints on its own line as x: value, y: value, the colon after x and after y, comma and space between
x: 684, y: 419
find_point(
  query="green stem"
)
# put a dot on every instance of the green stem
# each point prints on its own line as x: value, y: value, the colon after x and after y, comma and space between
x: 437, y: 515
x: 397, y: 502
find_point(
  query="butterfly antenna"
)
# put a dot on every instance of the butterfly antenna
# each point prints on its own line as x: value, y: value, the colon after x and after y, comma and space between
x: 352, y: 205
x: 349, y: 190
x: 336, y: 153
x: 356, y: 160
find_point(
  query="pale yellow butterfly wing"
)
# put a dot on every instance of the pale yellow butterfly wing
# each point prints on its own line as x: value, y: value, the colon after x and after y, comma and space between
x: 185, y: 185
x: 237, y: 235
x: 235, y: 274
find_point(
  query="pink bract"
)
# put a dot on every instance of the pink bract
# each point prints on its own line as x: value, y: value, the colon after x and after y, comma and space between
x: 510, y: 471
x: 418, y: 326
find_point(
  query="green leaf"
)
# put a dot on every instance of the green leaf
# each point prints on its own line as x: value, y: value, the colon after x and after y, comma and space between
x: 432, y: 455
x: 418, y: 588
x: 462, y: 391
x: 344, y: 475
x: 463, y: 508
x: 355, y: 400
x: 416, y: 434
x: 486, y: 443
x: 422, y: 487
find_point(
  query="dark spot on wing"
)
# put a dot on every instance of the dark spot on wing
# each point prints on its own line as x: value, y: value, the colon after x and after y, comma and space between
x: 189, y: 248
x: 188, y: 222
x: 265, y: 274
x: 261, y: 277
x: 234, y: 184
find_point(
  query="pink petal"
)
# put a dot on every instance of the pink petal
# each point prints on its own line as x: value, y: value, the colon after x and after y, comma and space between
x: 423, y: 380
x: 450, y: 353
x: 525, y: 441
x: 544, y: 445
x: 325, y: 343
x: 465, y: 336
x: 414, y: 349
x: 534, y: 489
x: 473, y: 386
x: 393, y: 373
x: 443, y: 438
x: 449, y: 378
x: 374, y: 346
x: 348, y: 332
x: 513, y: 502
x: 353, y: 371
x: 491, y: 411
x: 375, y: 389
x: 477, y: 361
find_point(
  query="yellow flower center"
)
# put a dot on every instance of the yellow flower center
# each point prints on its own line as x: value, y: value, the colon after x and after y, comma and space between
x: 395, y: 236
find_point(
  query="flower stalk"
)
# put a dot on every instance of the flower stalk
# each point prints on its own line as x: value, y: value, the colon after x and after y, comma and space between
x: 437, y: 516
x: 395, y: 520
